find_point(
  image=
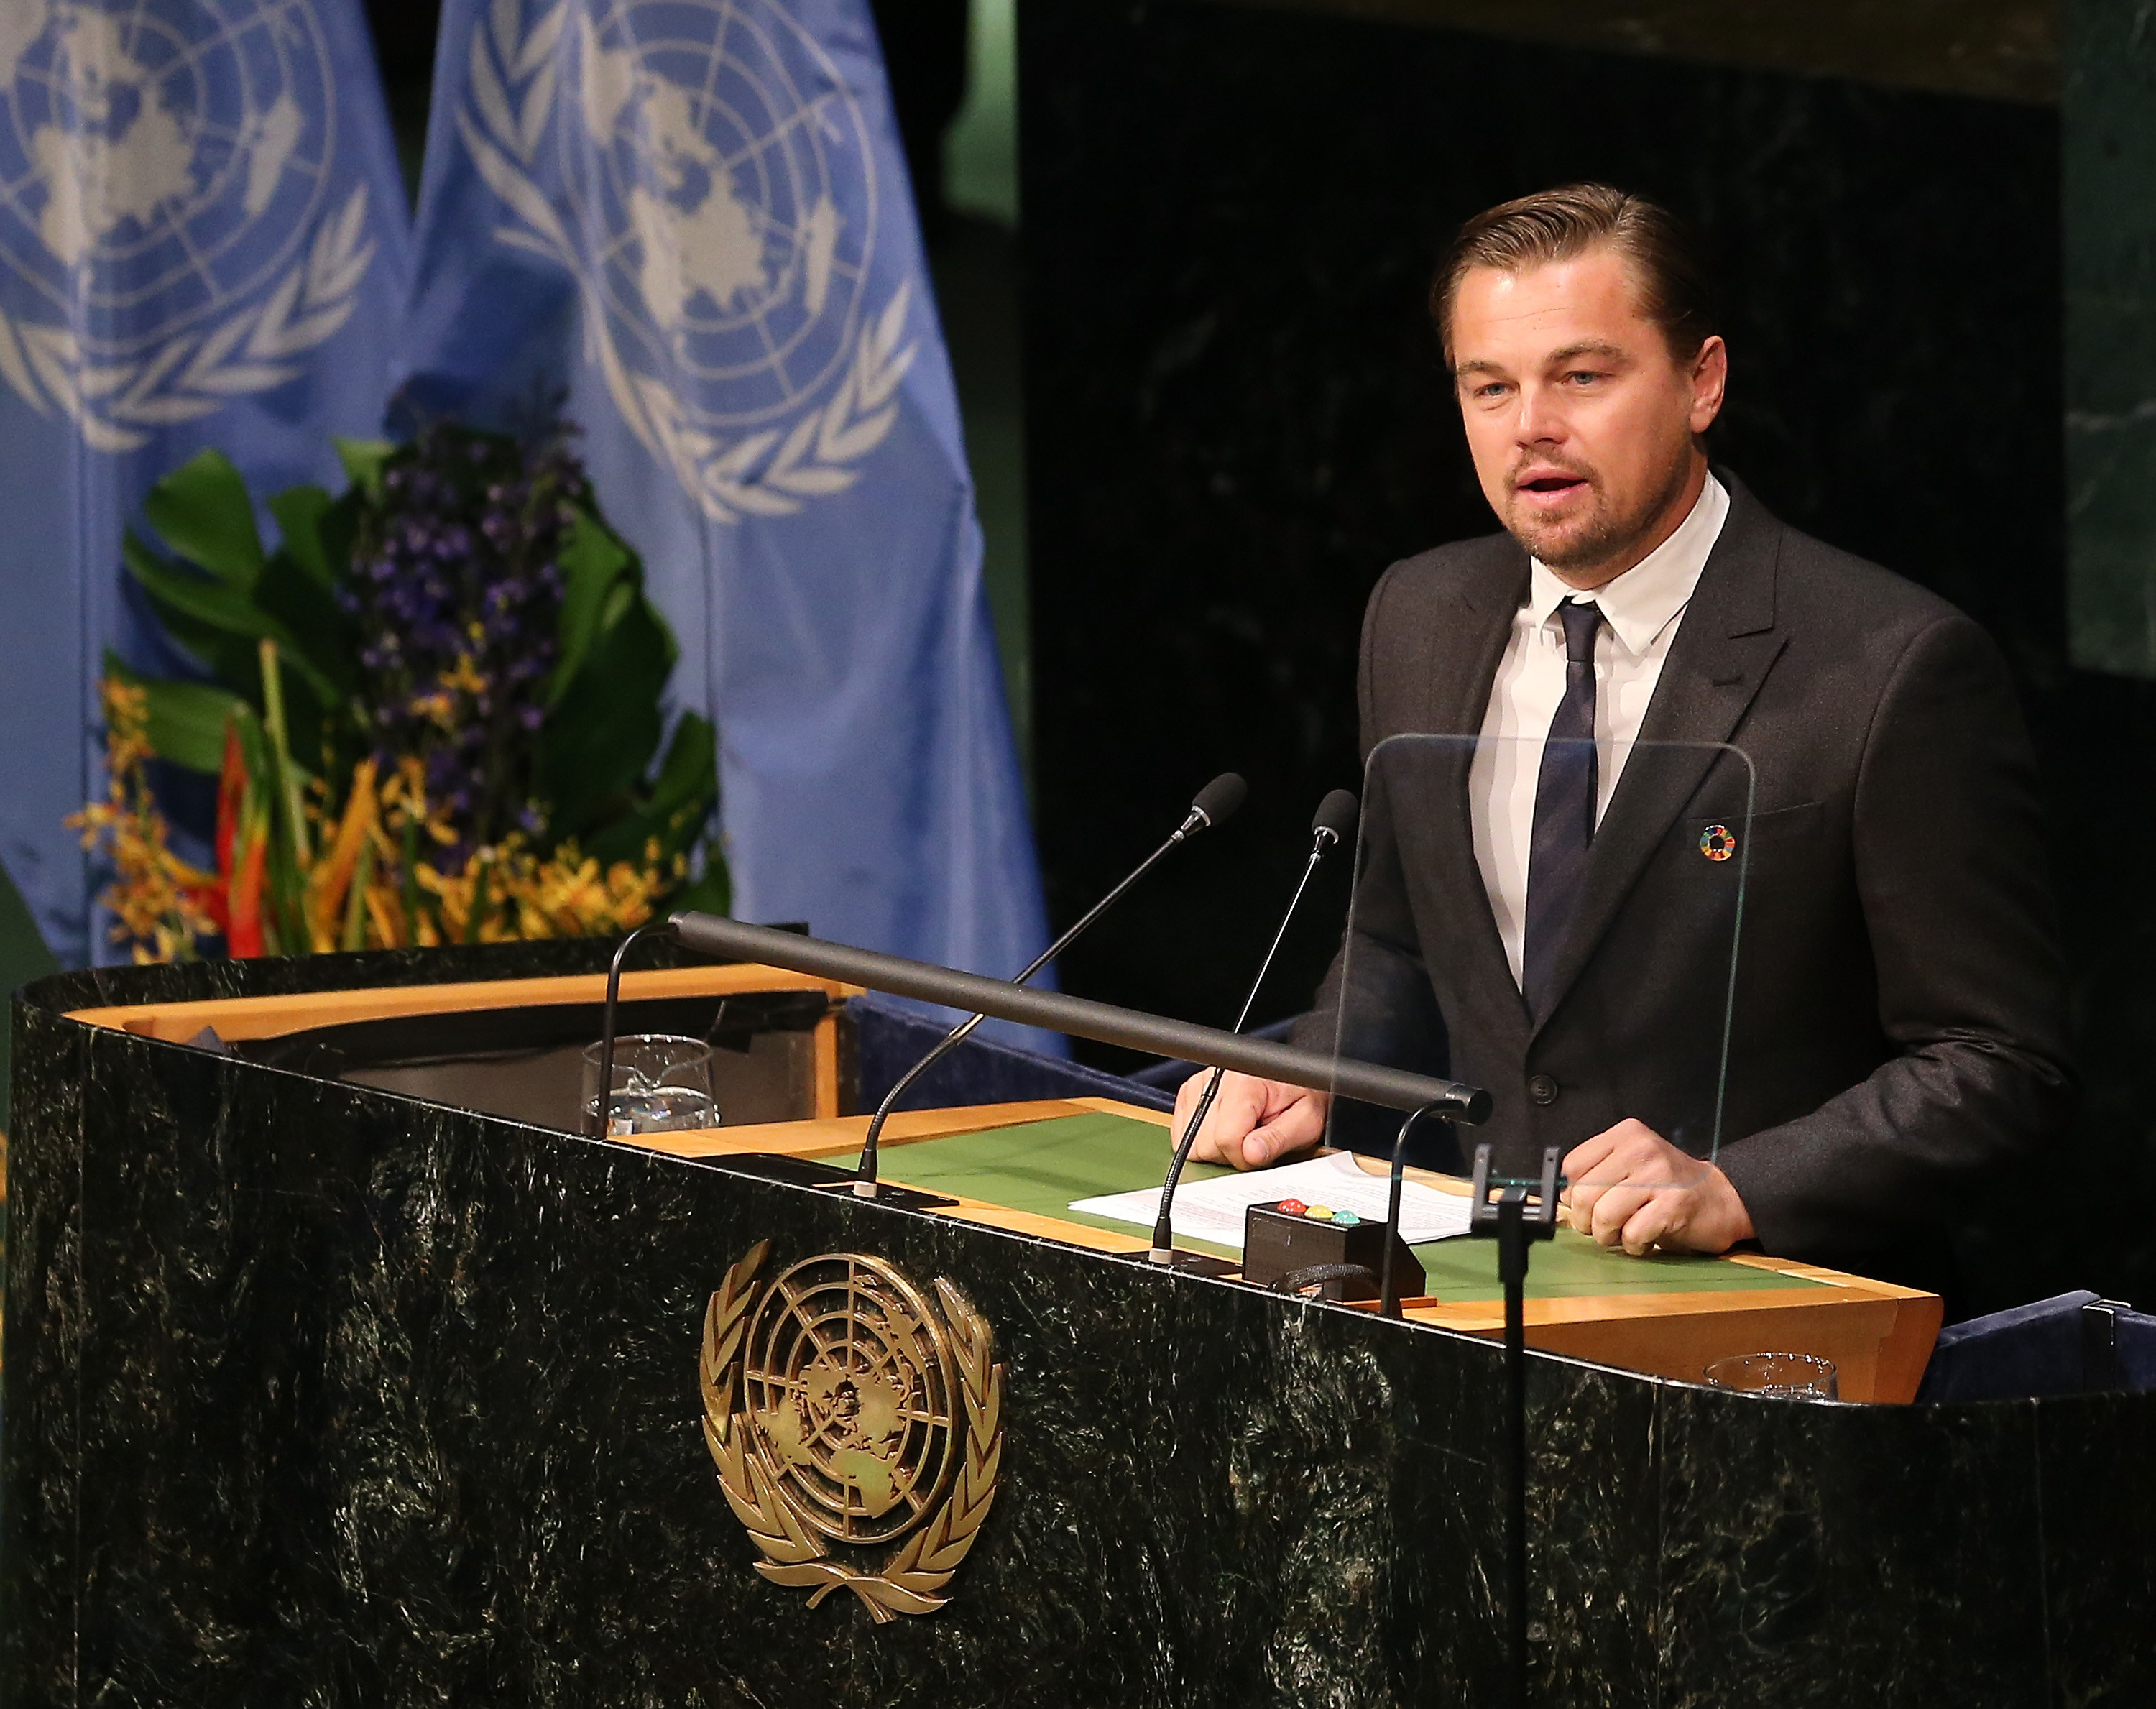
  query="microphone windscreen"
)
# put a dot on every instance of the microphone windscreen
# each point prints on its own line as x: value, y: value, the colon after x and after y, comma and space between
x: 1219, y: 799
x: 1337, y: 813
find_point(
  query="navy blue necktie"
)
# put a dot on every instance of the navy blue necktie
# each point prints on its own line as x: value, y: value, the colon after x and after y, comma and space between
x: 1564, y: 809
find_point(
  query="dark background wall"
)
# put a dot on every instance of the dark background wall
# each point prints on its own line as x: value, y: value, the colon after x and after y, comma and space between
x: 1236, y: 418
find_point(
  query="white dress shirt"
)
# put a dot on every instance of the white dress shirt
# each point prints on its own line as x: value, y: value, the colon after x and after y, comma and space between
x: 1641, y: 611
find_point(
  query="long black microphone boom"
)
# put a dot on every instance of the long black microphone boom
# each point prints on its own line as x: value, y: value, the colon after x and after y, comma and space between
x: 1333, y: 824
x: 1212, y: 804
x: 1155, y: 1035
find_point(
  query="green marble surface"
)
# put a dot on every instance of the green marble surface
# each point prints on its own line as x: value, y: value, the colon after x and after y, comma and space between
x: 1041, y: 1166
x: 2108, y: 143
x: 23, y: 957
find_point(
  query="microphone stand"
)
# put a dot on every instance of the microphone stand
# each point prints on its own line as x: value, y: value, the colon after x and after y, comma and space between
x: 597, y: 1122
x: 1214, y: 801
x: 1163, y: 1251
x: 1389, y: 1286
x: 1509, y: 1221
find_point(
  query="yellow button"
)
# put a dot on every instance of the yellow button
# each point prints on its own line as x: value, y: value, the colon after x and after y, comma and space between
x: 1320, y: 1212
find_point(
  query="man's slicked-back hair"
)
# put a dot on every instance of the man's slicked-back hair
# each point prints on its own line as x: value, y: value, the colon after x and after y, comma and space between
x: 1557, y: 225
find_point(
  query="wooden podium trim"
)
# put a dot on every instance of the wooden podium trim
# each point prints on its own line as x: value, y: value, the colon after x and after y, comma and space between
x: 272, y: 1017
x: 841, y: 1136
x: 1878, y: 1335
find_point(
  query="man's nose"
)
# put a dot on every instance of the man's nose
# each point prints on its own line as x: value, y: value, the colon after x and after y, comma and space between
x: 1541, y: 420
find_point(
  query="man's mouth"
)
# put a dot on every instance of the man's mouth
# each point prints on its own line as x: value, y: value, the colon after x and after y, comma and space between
x: 1542, y: 487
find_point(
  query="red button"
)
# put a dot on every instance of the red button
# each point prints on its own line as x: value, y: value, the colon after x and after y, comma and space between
x: 1291, y: 1207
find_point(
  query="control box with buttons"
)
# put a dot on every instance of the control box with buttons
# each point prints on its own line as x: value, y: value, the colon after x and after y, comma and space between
x: 1283, y: 1239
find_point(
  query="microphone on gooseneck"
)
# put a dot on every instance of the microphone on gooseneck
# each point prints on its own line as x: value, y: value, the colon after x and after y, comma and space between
x: 1333, y: 824
x: 1212, y: 805
x: 598, y: 1118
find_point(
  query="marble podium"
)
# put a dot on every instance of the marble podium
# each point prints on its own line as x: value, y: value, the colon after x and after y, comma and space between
x: 321, y: 1388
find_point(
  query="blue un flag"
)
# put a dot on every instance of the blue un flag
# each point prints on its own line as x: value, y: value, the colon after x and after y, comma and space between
x: 203, y: 242
x: 692, y: 216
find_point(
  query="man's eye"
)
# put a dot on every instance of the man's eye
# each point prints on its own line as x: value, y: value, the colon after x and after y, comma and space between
x: 1582, y: 376
x: 1493, y: 388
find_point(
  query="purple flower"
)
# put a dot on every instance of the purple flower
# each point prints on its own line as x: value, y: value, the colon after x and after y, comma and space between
x: 460, y: 563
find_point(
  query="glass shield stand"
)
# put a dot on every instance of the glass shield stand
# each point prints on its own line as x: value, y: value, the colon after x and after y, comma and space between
x: 1558, y: 922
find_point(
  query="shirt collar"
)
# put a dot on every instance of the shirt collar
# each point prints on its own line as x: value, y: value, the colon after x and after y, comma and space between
x: 1644, y: 601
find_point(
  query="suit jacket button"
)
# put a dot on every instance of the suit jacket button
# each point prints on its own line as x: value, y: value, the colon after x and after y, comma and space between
x: 1542, y: 1089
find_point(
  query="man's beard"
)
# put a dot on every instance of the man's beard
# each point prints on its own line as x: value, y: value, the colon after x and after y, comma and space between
x: 1602, y: 536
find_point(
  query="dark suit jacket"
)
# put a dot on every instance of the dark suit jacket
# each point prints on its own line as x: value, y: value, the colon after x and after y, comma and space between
x: 1899, y: 1034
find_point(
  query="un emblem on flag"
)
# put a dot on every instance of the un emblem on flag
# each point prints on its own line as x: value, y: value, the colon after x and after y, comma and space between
x: 702, y: 169
x: 165, y: 222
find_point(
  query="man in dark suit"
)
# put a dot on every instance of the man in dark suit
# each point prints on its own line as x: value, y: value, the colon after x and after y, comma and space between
x: 1547, y: 908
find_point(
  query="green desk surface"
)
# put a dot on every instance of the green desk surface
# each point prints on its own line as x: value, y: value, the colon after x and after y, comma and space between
x: 1041, y: 1166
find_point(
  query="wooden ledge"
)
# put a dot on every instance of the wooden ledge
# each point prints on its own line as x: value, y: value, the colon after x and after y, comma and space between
x: 271, y: 1017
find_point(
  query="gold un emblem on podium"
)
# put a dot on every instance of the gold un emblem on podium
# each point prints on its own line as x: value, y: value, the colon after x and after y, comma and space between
x: 847, y: 1414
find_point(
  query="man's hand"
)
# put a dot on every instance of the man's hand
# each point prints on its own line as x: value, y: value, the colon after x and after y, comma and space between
x: 1632, y: 1188
x: 1252, y: 1122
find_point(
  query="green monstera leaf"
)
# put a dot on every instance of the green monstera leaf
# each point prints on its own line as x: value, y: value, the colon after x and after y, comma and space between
x: 599, y: 738
x: 202, y: 512
x: 678, y: 810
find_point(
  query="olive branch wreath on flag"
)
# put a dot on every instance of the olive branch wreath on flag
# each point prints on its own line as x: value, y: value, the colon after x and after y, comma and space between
x: 192, y: 375
x: 768, y: 473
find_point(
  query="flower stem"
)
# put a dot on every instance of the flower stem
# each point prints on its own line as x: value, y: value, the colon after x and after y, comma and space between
x: 355, y: 901
x: 273, y: 716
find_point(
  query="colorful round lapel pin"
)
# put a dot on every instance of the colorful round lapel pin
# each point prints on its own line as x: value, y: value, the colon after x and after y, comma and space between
x: 1717, y: 843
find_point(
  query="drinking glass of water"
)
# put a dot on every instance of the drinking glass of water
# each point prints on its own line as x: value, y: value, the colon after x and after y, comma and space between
x: 1781, y: 1376
x: 662, y: 1083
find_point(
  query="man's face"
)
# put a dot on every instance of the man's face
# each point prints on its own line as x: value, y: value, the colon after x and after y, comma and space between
x: 1580, y: 421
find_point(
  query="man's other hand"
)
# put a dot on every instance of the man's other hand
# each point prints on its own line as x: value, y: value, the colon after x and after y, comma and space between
x: 1632, y: 1188
x: 1252, y: 1122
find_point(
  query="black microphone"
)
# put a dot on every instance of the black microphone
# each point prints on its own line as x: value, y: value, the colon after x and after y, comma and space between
x: 1212, y: 805
x: 599, y: 1118
x: 1333, y: 823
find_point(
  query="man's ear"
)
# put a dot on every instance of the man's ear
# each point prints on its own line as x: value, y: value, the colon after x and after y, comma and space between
x: 1710, y: 378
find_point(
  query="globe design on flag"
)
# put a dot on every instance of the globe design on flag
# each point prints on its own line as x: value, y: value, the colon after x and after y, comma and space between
x: 713, y: 143
x: 161, y: 160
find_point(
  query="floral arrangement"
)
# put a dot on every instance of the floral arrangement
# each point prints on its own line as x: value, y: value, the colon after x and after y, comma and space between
x: 434, y: 713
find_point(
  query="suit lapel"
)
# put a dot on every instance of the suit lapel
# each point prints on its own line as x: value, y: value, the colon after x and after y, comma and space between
x: 1463, y: 664
x: 1727, y: 643
x: 1464, y: 659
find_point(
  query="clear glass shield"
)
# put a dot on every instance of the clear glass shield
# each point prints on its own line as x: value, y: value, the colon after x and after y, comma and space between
x: 1557, y: 924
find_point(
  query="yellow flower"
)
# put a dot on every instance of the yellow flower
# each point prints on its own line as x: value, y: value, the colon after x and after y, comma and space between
x: 155, y: 896
x: 466, y: 677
